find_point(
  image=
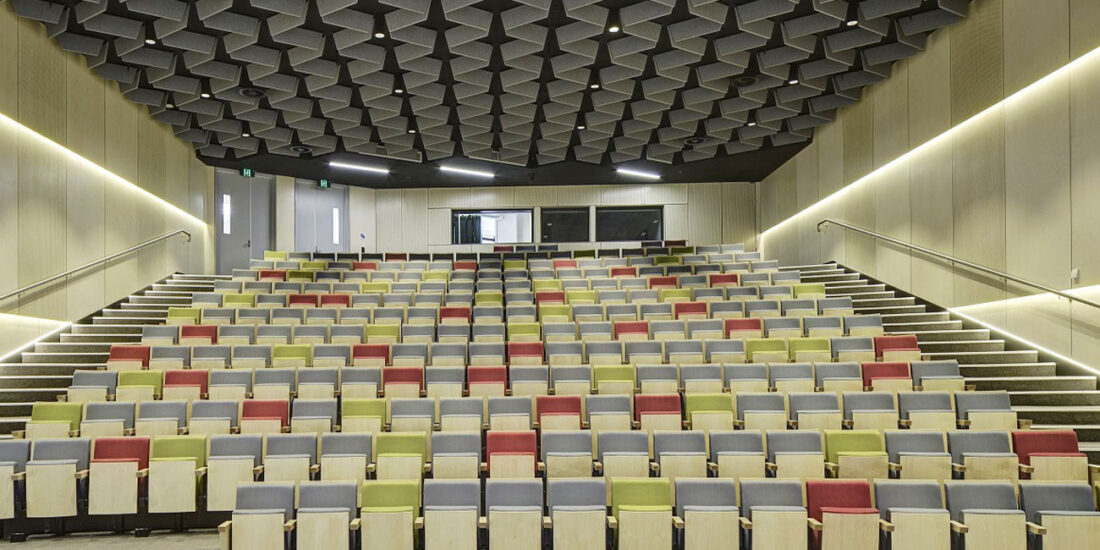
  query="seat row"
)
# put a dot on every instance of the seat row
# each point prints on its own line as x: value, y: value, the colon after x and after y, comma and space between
x: 520, y: 251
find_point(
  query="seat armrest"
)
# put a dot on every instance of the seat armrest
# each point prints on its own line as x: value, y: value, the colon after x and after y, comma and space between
x: 894, y: 467
x: 540, y: 466
x: 846, y: 423
x: 19, y: 475
x: 1024, y: 423
x: 1094, y: 468
x: 905, y: 422
x: 958, y: 467
x: 355, y: 524
x: 712, y: 466
x: 677, y: 522
x: 814, y: 524
x: 19, y: 434
x: 654, y: 466
x: 746, y: 523
x: 257, y: 470
x: 832, y: 467
x: 200, y: 472
x: 1036, y: 529
x: 612, y: 523
x: 597, y: 465
x: 482, y: 522
x: 885, y: 526
x: 418, y: 523
x: 770, y: 466
x: 143, y: 472
x: 290, y: 525
x: 82, y: 474
x: 547, y: 522
x: 1026, y: 468
x: 963, y: 423
x: 959, y: 527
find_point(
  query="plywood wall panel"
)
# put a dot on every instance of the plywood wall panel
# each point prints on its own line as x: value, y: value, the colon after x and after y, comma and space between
x: 891, y: 115
x: 977, y: 61
x: 1084, y: 27
x: 859, y: 142
x: 929, y: 97
x: 932, y: 222
x: 1085, y: 171
x: 979, y: 207
x: 1040, y: 40
x: 86, y: 189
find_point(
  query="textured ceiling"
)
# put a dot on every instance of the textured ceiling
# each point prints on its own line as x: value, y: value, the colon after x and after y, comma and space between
x: 527, y: 83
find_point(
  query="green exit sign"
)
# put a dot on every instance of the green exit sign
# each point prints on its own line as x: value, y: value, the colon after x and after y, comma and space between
x: 247, y: 172
x: 324, y: 184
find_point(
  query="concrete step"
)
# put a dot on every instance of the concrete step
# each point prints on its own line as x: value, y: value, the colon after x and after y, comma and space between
x: 104, y: 329
x: 58, y: 369
x: 890, y: 310
x: 986, y: 357
x: 846, y: 289
x: 169, y: 294
x: 22, y: 395
x: 1055, y: 398
x: 809, y: 267
x: 918, y: 317
x: 830, y: 277
x: 1008, y: 369
x: 1045, y: 383
x: 862, y: 303
x: 944, y: 346
x: 184, y: 287
x: 929, y: 326
x: 42, y: 381
x: 946, y: 335
x: 1087, y: 434
x: 69, y: 347
x: 872, y: 296
x: 63, y: 357
x: 127, y: 321
x: 1060, y: 415
x: 101, y: 338
x: 155, y: 314
x: 158, y: 300
x: 127, y: 306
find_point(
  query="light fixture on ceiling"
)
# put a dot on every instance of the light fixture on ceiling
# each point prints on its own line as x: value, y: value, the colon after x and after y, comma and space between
x: 169, y: 106
x: 614, y: 24
x: 594, y: 85
x: 580, y: 126
x: 792, y: 81
x: 467, y: 172
x: 613, y: 28
x: 150, y: 41
x: 751, y: 124
x: 411, y: 131
x: 360, y: 167
x: 379, y: 35
x: 638, y: 173
x: 398, y: 91
x: 205, y: 95
x: 852, y: 23
x: 246, y: 134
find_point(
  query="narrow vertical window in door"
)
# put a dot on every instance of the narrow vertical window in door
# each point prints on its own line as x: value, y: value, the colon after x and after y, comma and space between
x: 227, y: 210
x: 335, y: 226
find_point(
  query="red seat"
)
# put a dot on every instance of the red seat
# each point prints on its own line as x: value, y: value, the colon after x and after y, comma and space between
x: 266, y: 409
x: 680, y: 242
x: 130, y: 353
x: 494, y: 376
x: 656, y: 404
x: 895, y: 343
x: 892, y: 370
x: 511, y: 443
x: 565, y: 264
x: 395, y: 257
x: 525, y: 349
x: 558, y: 405
x: 208, y: 332
x: 371, y: 351
x: 268, y: 274
x: 503, y: 248
x: 630, y: 327
x: 839, y: 496
x: 550, y: 297
x: 311, y: 300
x: 689, y: 308
x: 744, y: 324
x: 454, y: 312
x: 182, y: 378
x: 464, y: 266
x: 403, y: 375
x: 343, y: 300
x: 664, y: 282
x: 364, y: 266
x: 722, y: 279
x: 1045, y: 443
x: 624, y: 272
x: 122, y: 449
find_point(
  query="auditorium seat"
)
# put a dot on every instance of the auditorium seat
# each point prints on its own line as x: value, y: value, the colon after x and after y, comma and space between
x: 815, y: 411
x: 567, y: 454
x: 891, y: 377
x: 795, y: 454
x: 642, y: 511
x: 841, y: 515
x: 769, y: 509
x: 918, y: 455
x: 1060, y: 516
x: 577, y: 511
x: 987, y: 410
x: 897, y: 348
x: 116, y: 474
x: 263, y: 517
x: 982, y: 455
x: 53, y: 420
x: 511, y: 454
x: 917, y: 518
x: 1052, y: 455
x: 838, y: 377
x: 737, y: 454
x: 176, y: 463
x: 926, y: 410
x: 856, y: 454
x: 985, y: 515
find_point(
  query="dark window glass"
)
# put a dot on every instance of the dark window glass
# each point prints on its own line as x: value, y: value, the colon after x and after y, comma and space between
x: 490, y: 226
x: 641, y: 223
x: 564, y: 225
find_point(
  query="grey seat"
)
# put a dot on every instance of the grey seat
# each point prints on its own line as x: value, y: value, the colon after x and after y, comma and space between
x: 759, y: 402
x: 777, y: 327
x: 705, y: 495
x: 412, y: 408
x: 1056, y: 499
x: 276, y: 377
x: 576, y: 495
x: 851, y: 344
x: 812, y: 403
x: 940, y: 371
x: 225, y: 447
x: 822, y: 326
x: 997, y: 497
x: 839, y: 372
x: 469, y: 407
x: 905, y: 496
x: 834, y: 306
x: 266, y: 498
x: 456, y: 444
x: 679, y: 444
x: 862, y: 322
x: 967, y: 402
x: 595, y: 405
x: 509, y: 406
x: 621, y: 443
x: 452, y: 495
x: 963, y: 443
x: 753, y: 372
x: 695, y: 376
x: 568, y: 443
x: 216, y: 410
x: 164, y: 410
x: 738, y: 443
x: 346, y: 444
x: 324, y: 380
x: 112, y: 411
x: 917, y: 443
x: 328, y: 497
x: 15, y: 453
x: 770, y: 495
x: 95, y: 379
x: 909, y: 402
x: 214, y: 355
x: 313, y: 409
x: 75, y: 450
x: 340, y: 353
x: 513, y: 495
x: 790, y: 373
x: 577, y: 374
x: 794, y: 442
x: 259, y: 354
x: 175, y: 355
x: 657, y: 374
x: 236, y: 377
x: 292, y: 445
x: 867, y: 401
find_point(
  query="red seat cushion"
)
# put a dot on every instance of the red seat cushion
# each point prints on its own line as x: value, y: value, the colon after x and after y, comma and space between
x: 656, y: 404
x: 558, y: 404
x: 259, y: 409
x: 130, y: 353
x: 630, y: 327
x: 122, y: 448
x: 895, y: 343
x: 664, y: 282
x: 1030, y: 443
x: 464, y: 266
x: 624, y: 272
x: 722, y: 279
x: 403, y: 375
x: 396, y: 257
x: 200, y: 331
x: 836, y: 496
x: 369, y: 351
x: 304, y: 299
x: 272, y: 274
x: 743, y: 324
x: 196, y: 377
x: 689, y: 308
x: 525, y: 349
x: 338, y: 299
x: 486, y: 375
x: 506, y: 442
x: 891, y: 369
x: 679, y: 242
x: 503, y: 248
x: 565, y: 264
x: 364, y: 266
x: 454, y: 312
x: 550, y: 297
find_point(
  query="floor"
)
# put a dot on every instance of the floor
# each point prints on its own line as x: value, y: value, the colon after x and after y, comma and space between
x: 196, y: 540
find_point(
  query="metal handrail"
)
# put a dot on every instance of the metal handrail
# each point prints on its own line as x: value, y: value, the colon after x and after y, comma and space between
x: 958, y: 261
x: 100, y: 261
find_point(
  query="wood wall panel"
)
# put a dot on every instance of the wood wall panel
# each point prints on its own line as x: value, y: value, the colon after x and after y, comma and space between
x: 1039, y: 41
x: 977, y: 61
x: 1085, y: 171
x: 1084, y: 26
x: 86, y: 190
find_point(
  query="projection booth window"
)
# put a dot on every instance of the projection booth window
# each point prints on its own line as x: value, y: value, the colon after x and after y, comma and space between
x: 491, y: 226
x: 564, y: 225
x: 634, y: 223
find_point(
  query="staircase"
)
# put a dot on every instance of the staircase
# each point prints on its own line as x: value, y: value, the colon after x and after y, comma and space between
x: 42, y: 372
x: 1051, y: 395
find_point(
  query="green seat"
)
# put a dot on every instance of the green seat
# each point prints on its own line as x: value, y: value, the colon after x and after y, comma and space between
x: 396, y: 495
x: 580, y: 296
x: 809, y: 290
x: 489, y: 298
x: 640, y: 494
x: 293, y: 351
x: 524, y: 329
x: 515, y: 264
x: 795, y: 345
x: 54, y: 412
x: 179, y: 447
x: 390, y: 330
x: 756, y: 345
x: 274, y: 255
x: 185, y: 314
x: 241, y: 300
x: 667, y: 260
x: 364, y: 408
x: 667, y: 294
x: 612, y: 373
x: 376, y: 287
x: 545, y: 285
x: 299, y: 275
x: 707, y: 402
x: 681, y: 250
x: 437, y: 275
x: 555, y: 310
x: 840, y: 443
x: 403, y: 444
x: 315, y: 265
x: 584, y: 253
x: 142, y: 378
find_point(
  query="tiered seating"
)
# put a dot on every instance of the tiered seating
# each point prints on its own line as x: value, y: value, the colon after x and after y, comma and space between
x: 652, y: 385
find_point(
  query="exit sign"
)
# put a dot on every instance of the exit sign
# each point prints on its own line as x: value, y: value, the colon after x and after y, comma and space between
x: 247, y: 172
x: 324, y: 184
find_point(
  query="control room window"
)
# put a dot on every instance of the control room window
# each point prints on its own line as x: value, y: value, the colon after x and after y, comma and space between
x: 564, y: 225
x: 491, y: 226
x: 634, y: 223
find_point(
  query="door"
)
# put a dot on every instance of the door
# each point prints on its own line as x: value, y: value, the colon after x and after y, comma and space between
x: 243, y: 219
